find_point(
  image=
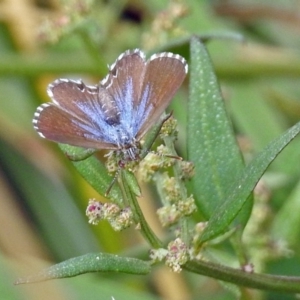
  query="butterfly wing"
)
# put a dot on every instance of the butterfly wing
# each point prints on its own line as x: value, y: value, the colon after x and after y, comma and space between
x: 125, y: 82
x: 80, y: 115
x: 143, y: 89
x: 164, y: 74
x: 125, y: 78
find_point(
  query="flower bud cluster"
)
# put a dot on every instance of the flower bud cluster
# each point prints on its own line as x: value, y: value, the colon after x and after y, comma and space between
x: 169, y: 128
x: 187, y: 170
x: 153, y: 162
x: 175, y: 255
x: 175, y: 207
x: 118, y: 218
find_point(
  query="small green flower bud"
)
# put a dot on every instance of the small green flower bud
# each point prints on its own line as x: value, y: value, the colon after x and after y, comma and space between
x: 187, y: 169
x: 169, y: 128
x: 168, y: 215
x: 187, y: 206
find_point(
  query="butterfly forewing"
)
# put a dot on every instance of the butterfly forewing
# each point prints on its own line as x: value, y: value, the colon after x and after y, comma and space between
x: 81, y: 100
x: 56, y: 124
x: 165, y: 73
x: 79, y: 115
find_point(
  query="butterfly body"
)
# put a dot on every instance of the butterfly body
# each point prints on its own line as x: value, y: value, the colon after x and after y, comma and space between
x: 116, y: 113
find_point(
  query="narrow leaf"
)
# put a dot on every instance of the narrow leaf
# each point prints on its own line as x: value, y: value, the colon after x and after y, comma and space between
x: 245, y: 184
x: 92, y: 262
x: 94, y: 172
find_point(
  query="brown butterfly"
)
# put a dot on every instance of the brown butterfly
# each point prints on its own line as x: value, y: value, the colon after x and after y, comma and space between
x: 116, y: 113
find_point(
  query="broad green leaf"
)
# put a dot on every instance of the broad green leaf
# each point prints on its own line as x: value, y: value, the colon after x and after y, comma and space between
x: 92, y: 262
x: 245, y: 183
x: 211, y: 143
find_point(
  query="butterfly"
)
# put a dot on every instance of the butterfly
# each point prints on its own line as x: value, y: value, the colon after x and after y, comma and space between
x: 116, y: 113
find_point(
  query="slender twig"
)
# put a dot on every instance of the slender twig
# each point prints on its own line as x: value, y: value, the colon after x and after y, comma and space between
x: 287, y: 284
x: 139, y: 218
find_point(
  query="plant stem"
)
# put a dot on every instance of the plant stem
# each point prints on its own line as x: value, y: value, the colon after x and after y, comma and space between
x: 287, y: 284
x: 139, y: 218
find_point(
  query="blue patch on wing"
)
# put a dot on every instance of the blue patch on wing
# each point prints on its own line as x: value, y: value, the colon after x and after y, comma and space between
x: 130, y: 118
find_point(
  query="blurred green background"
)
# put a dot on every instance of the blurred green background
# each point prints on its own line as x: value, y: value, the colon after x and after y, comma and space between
x: 43, y: 199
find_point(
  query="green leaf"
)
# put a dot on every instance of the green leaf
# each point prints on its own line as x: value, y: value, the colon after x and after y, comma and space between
x: 92, y: 262
x: 211, y: 142
x: 245, y: 183
x: 94, y: 172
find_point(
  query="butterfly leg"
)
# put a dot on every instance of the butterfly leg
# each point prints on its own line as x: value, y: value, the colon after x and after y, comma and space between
x: 112, y: 183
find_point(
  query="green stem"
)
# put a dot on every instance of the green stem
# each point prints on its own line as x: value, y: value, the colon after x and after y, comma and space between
x: 287, y: 284
x: 139, y: 218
